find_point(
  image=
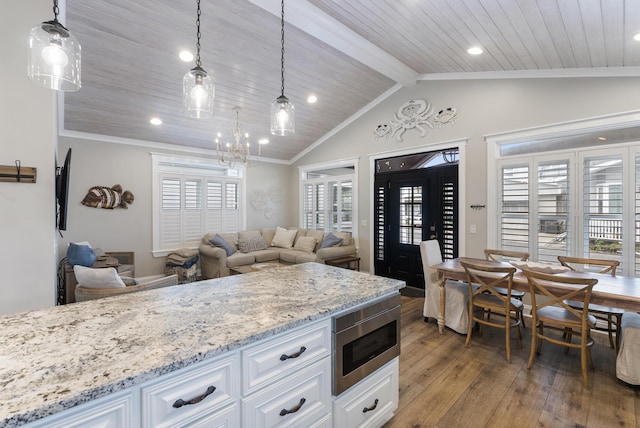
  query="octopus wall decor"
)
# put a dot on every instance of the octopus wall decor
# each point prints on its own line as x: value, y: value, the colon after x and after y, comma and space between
x: 415, y: 114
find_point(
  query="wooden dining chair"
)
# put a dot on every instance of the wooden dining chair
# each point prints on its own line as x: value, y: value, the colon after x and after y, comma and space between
x: 553, y: 314
x: 482, y: 279
x: 506, y: 256
x: 612, y: 316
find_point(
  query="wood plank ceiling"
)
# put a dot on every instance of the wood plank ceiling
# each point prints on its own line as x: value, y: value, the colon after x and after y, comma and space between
x: 348, y: 53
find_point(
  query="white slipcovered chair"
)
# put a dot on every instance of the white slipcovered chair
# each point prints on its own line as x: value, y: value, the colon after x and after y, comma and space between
x: 457, y: 293
x: 627, y: 368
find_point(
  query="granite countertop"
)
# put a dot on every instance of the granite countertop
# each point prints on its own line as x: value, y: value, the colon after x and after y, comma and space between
x: 57, y: 358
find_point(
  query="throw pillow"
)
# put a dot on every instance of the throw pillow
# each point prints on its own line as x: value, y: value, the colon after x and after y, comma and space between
x: 346, y: 237
x: 82, y: 255
x: 284, y: 238
x: 319, y: 235
x: 218, y: 241
x: 247, y: 245
x: 97, y: 278
x: 246, y: 234
x: 305, y: 243
x: 331, y: 240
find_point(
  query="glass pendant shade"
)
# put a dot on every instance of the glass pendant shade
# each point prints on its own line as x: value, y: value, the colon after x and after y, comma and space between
x: 282, y: 117
x: 198, y: 94
x: 54, y: 57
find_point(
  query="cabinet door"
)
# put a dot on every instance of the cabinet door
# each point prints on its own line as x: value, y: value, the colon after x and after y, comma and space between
x: 113, y: 411
x: 297, y: 401
x: 371, y: 402
x: 194, y: 383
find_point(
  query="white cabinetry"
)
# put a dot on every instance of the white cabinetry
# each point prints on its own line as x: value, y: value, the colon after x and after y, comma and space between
x: 184, y: 396
x: 371, y: 402
x: 281, y: 381
x: 287, y: 379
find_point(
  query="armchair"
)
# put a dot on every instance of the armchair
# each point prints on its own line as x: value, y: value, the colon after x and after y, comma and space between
x: 84, y: 293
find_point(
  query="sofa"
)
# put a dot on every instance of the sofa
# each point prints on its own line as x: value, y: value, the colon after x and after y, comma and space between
x: 290, y: 245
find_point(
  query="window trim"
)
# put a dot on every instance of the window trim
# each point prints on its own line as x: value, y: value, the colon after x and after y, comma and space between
x: 341, y: 163
x: 188, y: 162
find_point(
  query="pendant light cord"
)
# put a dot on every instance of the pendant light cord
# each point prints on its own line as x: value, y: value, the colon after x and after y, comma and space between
x: 198, y: 63
x: 56, y: 10
x: 282, y: 51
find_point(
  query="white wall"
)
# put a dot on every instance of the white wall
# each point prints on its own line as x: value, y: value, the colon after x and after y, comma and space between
x: 27, y: 127
x: 486, y: 107
x: 99, y: 163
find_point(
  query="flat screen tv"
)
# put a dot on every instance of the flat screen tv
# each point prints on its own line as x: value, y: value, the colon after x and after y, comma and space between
x: 62, y: 191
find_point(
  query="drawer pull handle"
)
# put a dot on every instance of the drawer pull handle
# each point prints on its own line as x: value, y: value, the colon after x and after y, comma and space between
x: 180, y: 402
x: 368, y: 409
x: 285, y: 412
x: 285, y: 357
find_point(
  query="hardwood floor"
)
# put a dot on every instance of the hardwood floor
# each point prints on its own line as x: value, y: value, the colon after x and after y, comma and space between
x: 444, y: 384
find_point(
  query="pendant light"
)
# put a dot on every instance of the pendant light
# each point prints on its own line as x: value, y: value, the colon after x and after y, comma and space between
x: 197, y: 87
x: 282, y: 110
x: 54, y: 55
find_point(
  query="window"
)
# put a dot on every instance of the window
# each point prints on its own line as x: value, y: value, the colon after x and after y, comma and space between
x: 191, y: 198
x: 579, y: 208
x: 328, y: 197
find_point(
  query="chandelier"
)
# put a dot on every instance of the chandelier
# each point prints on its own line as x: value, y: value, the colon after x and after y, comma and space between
x: 239, y: 151
x: 54, y: 55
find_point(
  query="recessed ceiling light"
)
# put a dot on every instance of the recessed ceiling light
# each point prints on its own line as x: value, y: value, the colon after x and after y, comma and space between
x: 263, y: 141
x: 312, y: 99
x: 602, y: 138
x: 637, y: 37
x: 155, y: 121
x: 475, y: 50
x: 186, y: 56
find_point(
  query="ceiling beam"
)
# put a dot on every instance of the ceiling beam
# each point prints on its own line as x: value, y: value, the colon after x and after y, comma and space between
x: 323, y: 27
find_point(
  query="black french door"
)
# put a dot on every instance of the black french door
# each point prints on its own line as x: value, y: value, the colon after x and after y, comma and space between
x: 410, y: 207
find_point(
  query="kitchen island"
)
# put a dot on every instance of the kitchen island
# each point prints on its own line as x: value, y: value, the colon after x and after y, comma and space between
x: 56, y: 359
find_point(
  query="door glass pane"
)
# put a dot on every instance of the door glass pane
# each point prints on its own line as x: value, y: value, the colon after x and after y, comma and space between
x: 553, y: 210
x: 603, y: 208
x: 410, y: 215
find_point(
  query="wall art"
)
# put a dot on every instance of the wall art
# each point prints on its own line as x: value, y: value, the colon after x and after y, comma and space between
x: 264, y: 200
x: 415, y: 114
x: 108, y: 197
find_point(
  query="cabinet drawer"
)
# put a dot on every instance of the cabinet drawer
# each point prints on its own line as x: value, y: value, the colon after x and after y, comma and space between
x: 378, y: 394
x: 298, y: 401
x: 159, y: 397
x: 229, y: 417
x: 112, y: 411
x: 268, y: 362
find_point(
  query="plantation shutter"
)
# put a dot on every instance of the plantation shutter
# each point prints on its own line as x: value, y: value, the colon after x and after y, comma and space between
x: 603, y: 208
x: 170, y: 215
x: 554, y: 228
x: 448, y: 219
x: 514, y: 208
x: 192, y: 216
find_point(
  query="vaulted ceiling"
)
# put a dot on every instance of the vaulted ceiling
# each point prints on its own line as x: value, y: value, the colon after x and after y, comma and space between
x: 349, y: 53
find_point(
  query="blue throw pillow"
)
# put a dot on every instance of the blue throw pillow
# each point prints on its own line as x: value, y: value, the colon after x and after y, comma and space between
x: 218, y: 241
x: 330, y: 240
x: 82, y: 255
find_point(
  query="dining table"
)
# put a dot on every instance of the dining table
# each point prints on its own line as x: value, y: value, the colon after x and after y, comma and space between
x: 611, y: 290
